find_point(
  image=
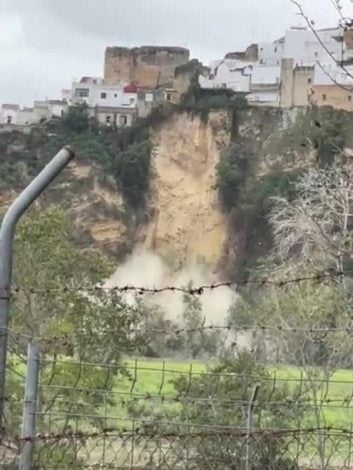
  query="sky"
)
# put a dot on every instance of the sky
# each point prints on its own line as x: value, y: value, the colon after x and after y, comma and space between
x: 45, y: 44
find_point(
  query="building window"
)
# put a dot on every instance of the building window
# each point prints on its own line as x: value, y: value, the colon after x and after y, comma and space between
x: 108, y: 119
x: 275, y: 50
x: 123, y: 120
x: 9, y: 119
x: 115, y: 95
x: 132, y: 100
x: 349, y: 97
x: 309, y: 81
x: 324, y: 97
x: 262, y: 61
x: 81, y: 92
x: 103, y: 95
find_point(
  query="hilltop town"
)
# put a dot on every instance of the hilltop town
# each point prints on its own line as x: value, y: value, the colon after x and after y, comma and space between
x: 302, y: 68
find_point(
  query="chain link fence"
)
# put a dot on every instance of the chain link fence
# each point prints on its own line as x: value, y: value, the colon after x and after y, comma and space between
x: 65, y: 413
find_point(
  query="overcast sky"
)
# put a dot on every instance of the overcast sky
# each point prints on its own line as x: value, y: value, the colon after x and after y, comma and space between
x: 45, y: 44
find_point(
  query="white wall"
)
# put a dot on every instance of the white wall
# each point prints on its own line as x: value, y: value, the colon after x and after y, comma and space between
x: 270, y: 98
x: 305, y: 49
x: 5, y: 114
x: 263, y: 75
x: 26, y: 117
x: 270, y: 53
x: 233, y: 74
x: 329, y: 73
x: 57, y: 110
x: 114, y: 118
x: 103, y: 95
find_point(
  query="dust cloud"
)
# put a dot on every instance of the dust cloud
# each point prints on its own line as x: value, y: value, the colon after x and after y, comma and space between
x: 148, y: 270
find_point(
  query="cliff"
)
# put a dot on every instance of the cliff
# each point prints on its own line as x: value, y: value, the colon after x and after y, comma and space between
x: 187, y: 220
x: 184, y: 218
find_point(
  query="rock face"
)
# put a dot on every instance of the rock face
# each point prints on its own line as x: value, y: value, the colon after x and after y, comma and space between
x: 183, y: 221
x: 92, y: 202
x: 187, y: 219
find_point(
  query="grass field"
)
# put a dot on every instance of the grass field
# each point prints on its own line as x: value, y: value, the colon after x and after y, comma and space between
x: 152, y: 379
x: 150, y: 382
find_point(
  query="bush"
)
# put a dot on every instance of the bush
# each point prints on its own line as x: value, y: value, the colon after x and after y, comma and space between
x: 77, y: 119
x: 277, y: 184
x: 218, y: 401
x: 323, y: 129
x: 231, y: 173
x: 132, y: 171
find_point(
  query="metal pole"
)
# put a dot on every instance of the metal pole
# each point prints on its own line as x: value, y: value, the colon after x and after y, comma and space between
x: 20, y: 205
x: 30, y: 407
x: 249, y: 425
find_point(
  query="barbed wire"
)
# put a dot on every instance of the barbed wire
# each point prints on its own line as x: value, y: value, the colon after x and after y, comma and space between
x: 213, y: 431
x: 176, y: 331
x: 199, y: 290
x: 308, y: 402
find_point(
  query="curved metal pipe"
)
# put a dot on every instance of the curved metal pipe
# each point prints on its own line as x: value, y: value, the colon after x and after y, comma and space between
x: 7, y: 231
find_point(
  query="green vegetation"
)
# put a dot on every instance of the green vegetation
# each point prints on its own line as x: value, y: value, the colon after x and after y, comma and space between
x: 218, y: 400
x: 325, y: 130
x: 132, y: 171
x: 124, y: 153
x: 77, y: 119
x: 159, y: 378
x: 231, y: 175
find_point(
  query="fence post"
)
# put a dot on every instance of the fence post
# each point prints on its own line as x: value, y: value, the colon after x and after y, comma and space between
x: 7, y: 232
x: 30, y: 407
x: 249, y: 425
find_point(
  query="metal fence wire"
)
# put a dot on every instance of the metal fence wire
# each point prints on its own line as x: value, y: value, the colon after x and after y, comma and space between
x: 289, y: 406
x: 64, y: 413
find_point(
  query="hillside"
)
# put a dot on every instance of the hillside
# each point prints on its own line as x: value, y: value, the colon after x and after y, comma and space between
x: 188, y: 208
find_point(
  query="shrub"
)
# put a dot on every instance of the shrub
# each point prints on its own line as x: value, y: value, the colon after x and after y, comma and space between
x: 231, y: 173
x: 77, y: 119
x: 132, y: 171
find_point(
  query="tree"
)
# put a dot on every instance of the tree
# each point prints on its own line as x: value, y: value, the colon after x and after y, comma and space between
x: 195, y: 341
x: 315, y: 229
x: 308, y: 324
x: 77, y: 118
x: 83, y: 329
x: 132, y: 170
x: 231, y: 173
x: 217, y: 401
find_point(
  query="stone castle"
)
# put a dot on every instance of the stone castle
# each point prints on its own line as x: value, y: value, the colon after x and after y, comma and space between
x: 146, y: 66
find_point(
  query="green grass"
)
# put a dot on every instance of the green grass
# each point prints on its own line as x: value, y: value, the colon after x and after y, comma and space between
x: 150, y: 382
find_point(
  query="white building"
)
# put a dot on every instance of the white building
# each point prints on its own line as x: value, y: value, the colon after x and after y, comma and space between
x: 265, y: 85
x: 26, y: 117
x: 330, y: 73
x: 93, y: 92
x: 302, y: 45
x: 228, y: 73
x: 9, y: 113
x: 42, y: 110
x: 271, y: 53
x: 111, y: 105
x: 57, y: 108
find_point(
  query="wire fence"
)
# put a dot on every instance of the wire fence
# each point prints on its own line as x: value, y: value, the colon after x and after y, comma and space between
x: 288, y: 405
x: 154, y: 414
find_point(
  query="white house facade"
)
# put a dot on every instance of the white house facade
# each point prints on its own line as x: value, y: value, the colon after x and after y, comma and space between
x: 228, y: 73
